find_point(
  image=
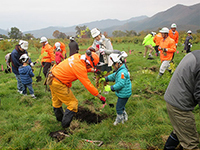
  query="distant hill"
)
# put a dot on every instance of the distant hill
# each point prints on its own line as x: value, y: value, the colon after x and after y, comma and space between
x: 3, y: 32
x: 71, y: 30
x: 186, y: 17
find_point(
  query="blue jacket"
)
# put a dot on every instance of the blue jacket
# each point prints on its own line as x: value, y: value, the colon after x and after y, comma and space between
x: 122, y: 86
x: 26, y: 74
x: 15, y: 55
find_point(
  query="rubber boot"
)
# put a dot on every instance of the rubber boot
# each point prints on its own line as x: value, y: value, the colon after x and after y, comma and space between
x: 172, y: 142
x: 119, y: 118
x: 67, y: 118
x: 58, y: 113
x: 125, y: 115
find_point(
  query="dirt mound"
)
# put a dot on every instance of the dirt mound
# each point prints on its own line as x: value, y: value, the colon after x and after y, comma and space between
x: 84, y: 114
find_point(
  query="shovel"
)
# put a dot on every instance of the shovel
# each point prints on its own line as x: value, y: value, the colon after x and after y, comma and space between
x: 39, y: 78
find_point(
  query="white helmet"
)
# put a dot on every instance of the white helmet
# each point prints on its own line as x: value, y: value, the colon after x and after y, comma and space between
x: 95, y: 32
x: 153, y: 33
x: 43, y: 39
x: 164, y: 30
x: 23, y: 44
x: 24, y: 58
x: 173, y: 25
x: 118, y: 58
x: 189, y: 31
x: 71, y: 38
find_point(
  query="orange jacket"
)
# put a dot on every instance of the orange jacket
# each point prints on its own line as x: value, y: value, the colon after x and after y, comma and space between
x: 47, y: 53
x: 157, y: 38
x: 62, y: 47
x: 174, y: 36
x: 72, y: 69
x: 169, y: 44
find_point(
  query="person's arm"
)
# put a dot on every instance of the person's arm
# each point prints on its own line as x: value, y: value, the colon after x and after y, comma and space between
x: 15, y: 60
x: 31, y: 72
x: 121, y: 82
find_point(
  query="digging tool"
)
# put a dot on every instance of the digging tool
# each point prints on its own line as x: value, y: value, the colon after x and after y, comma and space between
x: 39, y: 78
x: 98, y: 143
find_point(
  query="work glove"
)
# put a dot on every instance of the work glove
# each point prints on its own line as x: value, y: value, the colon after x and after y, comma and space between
x: 97, y: 71
x: 103, y: 99
x: 164, y: 50
x: 102, y: 80
x: 102, y: 51
x: 32, y: 64
x: 107, y: 88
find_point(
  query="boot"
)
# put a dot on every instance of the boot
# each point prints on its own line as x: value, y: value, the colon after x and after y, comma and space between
x: 119, y: 118
x: 125, y: 115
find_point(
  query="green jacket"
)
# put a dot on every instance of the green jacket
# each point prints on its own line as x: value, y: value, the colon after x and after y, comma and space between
x: 122, y: 86
x: 148, y: 40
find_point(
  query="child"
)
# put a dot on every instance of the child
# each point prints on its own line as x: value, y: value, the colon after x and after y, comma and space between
x: 8, y: 61
x: 122, y: 86
x: 58, y: 56
x: 26, y: 75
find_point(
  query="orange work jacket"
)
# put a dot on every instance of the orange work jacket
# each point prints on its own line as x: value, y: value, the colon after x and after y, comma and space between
x: 169, y: 44
x: 62, y: 47
x: 157, y: 38
x: 72, y: 69
x: 174, y: 36
x: 47, y: 53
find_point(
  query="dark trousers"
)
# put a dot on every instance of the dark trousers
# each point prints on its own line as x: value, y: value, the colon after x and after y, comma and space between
x: 46, y: 66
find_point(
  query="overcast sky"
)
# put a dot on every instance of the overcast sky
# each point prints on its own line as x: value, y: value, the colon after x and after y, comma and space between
x: 29, y: 15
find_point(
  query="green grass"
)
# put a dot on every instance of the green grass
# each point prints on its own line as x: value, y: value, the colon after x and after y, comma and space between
x: 25, y: 123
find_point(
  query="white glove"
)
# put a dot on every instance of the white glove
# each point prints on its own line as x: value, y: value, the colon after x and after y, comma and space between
x: 102, y: 51
x: 190, y: 45
x: 32, y: 64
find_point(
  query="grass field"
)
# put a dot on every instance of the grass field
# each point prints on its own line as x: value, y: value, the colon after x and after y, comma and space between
x: 26, y: 123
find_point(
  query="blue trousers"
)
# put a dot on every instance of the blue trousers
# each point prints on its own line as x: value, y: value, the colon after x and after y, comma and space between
x: 120, y: 107
x: 19, y: 82
x: 29, y: 86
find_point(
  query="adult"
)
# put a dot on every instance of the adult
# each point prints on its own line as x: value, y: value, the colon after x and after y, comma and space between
x: 148, y: 43
x: 62, y: 76
x: 157, y: 38
x: 19, y: 50
x: 167, y: 48
x: 188, y: 43
x: 47, y: 54
x: 61, y: 46
x: 181, y: 96
x: 173, y: 33
x: 103, y: 49
x: 73, y: 46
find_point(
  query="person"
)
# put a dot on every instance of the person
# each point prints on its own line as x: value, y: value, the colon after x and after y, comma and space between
x: 60, y: 80
x: 173, y: 33
x: 157, y: 38
x: 167, y: 48
x: 26, y: 74
x: 47, y: 54
x: 122, y: 86
x: 148, y: 43
x: 58, y: 56
x: 188, y: 43
x: 61, y: 46
x: 103, y: 49
x: 181, y: 96
x: 19, y: 50
x: 73, y: 46
x: 8, y: 61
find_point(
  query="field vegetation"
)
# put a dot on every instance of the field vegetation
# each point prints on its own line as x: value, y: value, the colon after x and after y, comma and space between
x: 26, y: 123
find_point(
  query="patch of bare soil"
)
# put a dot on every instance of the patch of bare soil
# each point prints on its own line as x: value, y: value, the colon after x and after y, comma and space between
x: 86, y: 115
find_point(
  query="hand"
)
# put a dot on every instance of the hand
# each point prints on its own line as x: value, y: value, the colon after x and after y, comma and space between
x: 107, y: 88
x: 32, y: 64
x: 164, y: 50
x: 96, y: 71
x: 102, y: 51
x: 102, y: 80
x: 52, y: 63
x: 103, y: 99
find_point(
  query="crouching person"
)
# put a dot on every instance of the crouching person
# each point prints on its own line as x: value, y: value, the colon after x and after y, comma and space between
x: 60, y: 80
x: 26, y: 74
x: 122, y: 86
